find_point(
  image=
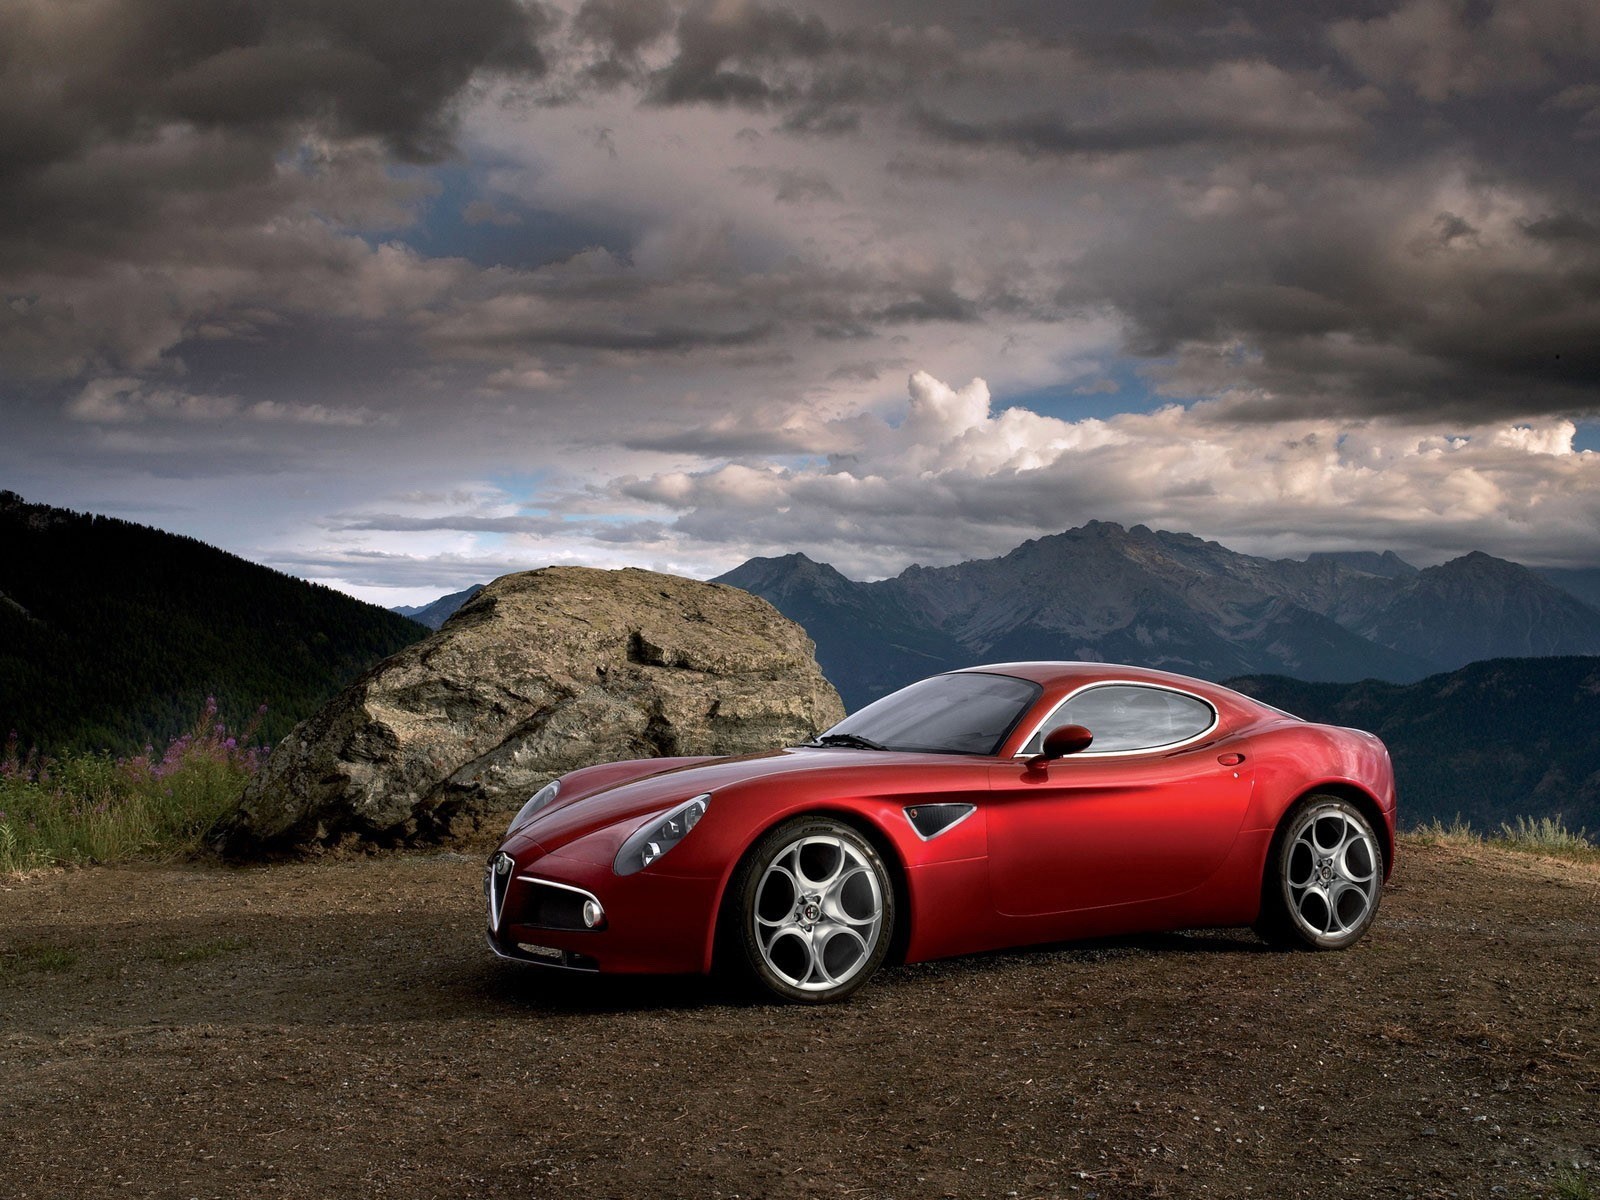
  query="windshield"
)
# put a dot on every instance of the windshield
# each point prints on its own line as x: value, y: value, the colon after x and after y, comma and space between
x: 948, y: 714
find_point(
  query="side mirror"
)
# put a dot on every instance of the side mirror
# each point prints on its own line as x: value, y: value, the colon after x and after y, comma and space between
x: 1060, y: 742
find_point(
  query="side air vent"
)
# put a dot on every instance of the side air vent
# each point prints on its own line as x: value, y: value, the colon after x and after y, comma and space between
x: 930, y: 820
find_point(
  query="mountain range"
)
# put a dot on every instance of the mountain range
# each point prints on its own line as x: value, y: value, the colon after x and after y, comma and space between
x: 441, y: 610
x: 113, y: 634
x: 1171, y: 600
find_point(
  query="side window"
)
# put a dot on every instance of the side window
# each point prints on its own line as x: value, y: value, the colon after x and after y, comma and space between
x: 1128, y: 717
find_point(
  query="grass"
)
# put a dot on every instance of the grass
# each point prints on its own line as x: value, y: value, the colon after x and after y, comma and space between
x: 1572, y: 1185
x: 1543, y: 834
x: 199, y: 951
x: 1532, y: 835
x: 92, y: 808
x: 1438, y: 833
x: 37, y: 958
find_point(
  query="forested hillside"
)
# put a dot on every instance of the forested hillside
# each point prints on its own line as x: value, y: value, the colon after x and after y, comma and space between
x: 1495, y: 740
x: 113, y: 634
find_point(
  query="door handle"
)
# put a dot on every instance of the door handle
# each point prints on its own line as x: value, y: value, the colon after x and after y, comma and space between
x: 1230, y: 760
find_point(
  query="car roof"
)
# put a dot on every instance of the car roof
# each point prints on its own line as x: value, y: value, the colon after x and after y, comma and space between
x: 1059, y: 678
x: 1052, y: 674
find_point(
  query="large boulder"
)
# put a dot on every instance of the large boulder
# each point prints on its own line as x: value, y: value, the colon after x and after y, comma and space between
x: 540, y: 673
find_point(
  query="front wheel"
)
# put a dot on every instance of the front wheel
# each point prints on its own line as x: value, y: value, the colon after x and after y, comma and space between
x: 1324, y: 877
x: 815, y: 909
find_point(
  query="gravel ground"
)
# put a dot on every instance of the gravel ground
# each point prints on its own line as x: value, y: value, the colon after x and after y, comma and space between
x: 338, y: 1028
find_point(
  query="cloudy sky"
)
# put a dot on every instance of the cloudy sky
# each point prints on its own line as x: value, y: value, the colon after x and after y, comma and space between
x: 403, y: 294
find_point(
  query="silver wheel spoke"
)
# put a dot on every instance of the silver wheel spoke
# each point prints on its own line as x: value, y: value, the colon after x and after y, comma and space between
x: 1360, y: 847
x: 837, y: 860
x: 1314, y: 909
x: 855, y: 951
x: 1348, y: 904
x: 833, y: 900
x: 786, y: 917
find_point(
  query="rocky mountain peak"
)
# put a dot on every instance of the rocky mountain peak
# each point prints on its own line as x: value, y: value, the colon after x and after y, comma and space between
x: 788, y: 573
x: 1477, y: 607
x: 1476, y: 562
x: 1387, y: 565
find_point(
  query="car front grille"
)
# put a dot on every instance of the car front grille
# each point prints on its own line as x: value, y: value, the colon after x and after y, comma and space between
x: 545, y: 906
x: 497, y: 881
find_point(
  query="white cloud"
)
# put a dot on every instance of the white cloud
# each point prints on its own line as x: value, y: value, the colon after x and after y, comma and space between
x: 955, y: 480
x: 310, y: 414
x: 119, y: 400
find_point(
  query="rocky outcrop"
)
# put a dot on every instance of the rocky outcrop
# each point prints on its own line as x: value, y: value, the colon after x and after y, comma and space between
x: 540, y: 673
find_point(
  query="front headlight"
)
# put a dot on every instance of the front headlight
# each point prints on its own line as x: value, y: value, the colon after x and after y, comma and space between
x: 541, y: 799
x: 659, y: 835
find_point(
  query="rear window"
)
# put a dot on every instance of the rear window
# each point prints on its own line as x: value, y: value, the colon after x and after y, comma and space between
x: 1125, y: 716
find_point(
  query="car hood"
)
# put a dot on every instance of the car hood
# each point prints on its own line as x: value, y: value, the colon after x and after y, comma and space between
x: 585, y: 808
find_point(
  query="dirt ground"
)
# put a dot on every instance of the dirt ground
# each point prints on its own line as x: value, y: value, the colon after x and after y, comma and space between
x: 338, y: 1028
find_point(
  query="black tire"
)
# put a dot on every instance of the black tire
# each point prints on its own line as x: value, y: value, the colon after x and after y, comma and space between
x: 1324, y: 877
x: 813, y: 912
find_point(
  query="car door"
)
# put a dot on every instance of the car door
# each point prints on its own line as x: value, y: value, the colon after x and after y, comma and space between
x: 1149, y: 810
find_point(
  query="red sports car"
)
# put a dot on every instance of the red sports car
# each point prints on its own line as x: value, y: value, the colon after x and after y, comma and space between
x: 996, y: 806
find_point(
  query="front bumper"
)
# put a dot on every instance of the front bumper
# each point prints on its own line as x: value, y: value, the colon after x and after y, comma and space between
x: 654, y: 923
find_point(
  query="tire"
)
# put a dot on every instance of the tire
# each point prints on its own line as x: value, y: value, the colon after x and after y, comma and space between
x: 814, y: 911
x: 1323, y: 879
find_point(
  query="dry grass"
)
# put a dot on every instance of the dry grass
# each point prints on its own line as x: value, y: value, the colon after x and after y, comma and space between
x: 1528, y: 835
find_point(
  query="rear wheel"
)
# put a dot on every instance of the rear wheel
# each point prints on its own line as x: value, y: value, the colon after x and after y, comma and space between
x: 1324, y: 877
x: 815, y: 909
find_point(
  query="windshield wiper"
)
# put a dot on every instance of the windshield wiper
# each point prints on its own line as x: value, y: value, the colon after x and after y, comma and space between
x: 848, y: 739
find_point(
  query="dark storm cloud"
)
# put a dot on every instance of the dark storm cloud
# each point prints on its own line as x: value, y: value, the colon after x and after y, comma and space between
x: 1453, y: 320
x: 1050, y: 134
x: 74, y: 74
x: 723, y: 50
x: 789, y: 187
x: 127, y: 118
x: 936, y: 302
x: 160, y: 158
x: 621, y: 29
x: 624, y: 27
x: 1565, y: 228
x: 654, y: 340
x: 822, y: 118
